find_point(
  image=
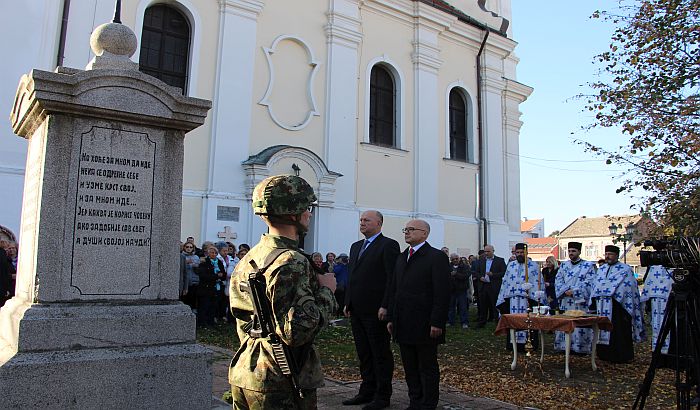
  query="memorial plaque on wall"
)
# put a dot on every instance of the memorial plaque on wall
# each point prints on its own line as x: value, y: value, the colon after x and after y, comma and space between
x: 227, y: 213
x: 111, y: 252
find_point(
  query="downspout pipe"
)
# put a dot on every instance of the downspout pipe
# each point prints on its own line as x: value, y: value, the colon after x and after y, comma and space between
x: 62, y: 36
x: 483, y: 222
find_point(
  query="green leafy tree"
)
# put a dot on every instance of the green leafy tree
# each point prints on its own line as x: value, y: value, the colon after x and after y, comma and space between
x: 649, y: 89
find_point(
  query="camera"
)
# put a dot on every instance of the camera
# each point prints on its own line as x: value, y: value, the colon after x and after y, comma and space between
x: 677, y: 253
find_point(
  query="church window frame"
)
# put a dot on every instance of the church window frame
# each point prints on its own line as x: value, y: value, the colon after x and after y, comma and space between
x: 193, y: 20
x: 468, y: 126
x: 398, y: 107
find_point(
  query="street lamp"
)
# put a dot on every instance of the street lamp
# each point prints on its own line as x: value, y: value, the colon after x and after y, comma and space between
x: 630, y: 230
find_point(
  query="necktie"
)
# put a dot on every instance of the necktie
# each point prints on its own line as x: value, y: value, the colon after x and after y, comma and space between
x: 364, y: 247
x: 410, y: 252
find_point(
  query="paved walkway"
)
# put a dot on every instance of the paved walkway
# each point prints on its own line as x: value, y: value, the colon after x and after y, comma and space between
x: 334, y: 392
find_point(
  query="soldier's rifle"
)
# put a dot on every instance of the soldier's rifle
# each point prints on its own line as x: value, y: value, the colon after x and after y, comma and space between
x: 263, y: 326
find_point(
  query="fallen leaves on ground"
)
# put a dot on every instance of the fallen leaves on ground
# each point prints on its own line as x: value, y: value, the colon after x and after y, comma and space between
x: 477, y: 363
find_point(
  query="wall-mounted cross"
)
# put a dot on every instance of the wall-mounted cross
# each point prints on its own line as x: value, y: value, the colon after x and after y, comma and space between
x: 227, y: 235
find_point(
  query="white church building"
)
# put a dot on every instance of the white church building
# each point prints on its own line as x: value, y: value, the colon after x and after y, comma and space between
x: 409, y: 107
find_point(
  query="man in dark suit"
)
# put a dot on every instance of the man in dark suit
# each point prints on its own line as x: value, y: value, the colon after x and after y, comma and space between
x: 371, y: 263
x: 417, y: 302
x: 489, y: 276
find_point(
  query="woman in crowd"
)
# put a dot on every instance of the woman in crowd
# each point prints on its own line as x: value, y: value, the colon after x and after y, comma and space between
x: 340, y: 270
x: 242, y: 250
x: 329, y: 263
x: 12, y: 255
x: 210, y: 270
x: 317, y: 259
x: 190, y: 261
x: 222, y: 284
x: 549, y: 273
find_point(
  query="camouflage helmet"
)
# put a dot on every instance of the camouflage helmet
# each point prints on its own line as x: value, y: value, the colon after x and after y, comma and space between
x: 282, y: 195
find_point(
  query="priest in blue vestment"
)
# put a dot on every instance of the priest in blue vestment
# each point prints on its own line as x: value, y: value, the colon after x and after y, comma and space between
x: 573, y: 286
x: 616, y: 294
x: 522, y: 287
x: 657, y: 288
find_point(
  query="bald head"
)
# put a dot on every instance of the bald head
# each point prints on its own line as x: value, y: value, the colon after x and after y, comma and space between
x: 416, y: 231
x: 371, y: 223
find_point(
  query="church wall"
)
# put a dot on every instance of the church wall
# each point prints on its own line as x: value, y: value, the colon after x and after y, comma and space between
x: 385, y: 176
x: 30, y: 34
x: 457, y: 179
x: 191, y: 223
x: 289, y: 96
x: 462, y: 238
x: 229, y: 66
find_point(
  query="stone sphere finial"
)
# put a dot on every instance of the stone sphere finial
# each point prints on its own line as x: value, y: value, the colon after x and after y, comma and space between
x: 115, y: 38
x: 113, y: 44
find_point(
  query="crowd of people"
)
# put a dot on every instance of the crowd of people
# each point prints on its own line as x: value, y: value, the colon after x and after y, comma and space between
x: 205, y: 274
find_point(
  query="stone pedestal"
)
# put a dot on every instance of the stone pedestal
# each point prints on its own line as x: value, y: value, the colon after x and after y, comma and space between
x: 96, y: 321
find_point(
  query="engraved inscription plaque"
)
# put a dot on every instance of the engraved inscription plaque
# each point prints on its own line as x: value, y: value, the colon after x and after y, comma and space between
x: 111, y: 252
x: 227, y: 213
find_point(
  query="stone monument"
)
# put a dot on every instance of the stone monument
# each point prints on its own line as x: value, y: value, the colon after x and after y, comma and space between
x: 96, y: 321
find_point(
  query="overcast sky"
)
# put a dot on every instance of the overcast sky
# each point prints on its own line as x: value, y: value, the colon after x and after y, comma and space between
x: 559, y: 181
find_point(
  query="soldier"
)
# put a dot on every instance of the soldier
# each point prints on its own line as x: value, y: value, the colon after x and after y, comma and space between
x: 302, y: 302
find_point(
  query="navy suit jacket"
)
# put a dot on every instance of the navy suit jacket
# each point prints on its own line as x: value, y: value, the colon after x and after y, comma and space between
x: 369, y: 275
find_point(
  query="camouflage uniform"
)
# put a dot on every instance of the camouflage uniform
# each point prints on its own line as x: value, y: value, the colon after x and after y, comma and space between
x: 301, y: 307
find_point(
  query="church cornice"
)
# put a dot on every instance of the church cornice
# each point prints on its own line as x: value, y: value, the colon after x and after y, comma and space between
x: 343, y: 29
x: 245, y: 8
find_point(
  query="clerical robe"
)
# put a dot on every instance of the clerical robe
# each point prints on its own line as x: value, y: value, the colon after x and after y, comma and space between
x: 616, y: 294
x: 512, y: 289
x: 578, y: 278
x: 657, y: 288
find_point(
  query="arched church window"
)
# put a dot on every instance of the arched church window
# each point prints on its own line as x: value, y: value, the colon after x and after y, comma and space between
x: 382, y: 107
x: 458, y: 126
x: 165, y: 45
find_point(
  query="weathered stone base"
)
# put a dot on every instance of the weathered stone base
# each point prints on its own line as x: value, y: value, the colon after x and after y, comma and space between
x: 102, y: 356
x: 159, y: 377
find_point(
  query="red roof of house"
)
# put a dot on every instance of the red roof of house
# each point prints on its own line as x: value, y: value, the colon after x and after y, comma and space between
x: 526, y: 226
x: 540, y: 248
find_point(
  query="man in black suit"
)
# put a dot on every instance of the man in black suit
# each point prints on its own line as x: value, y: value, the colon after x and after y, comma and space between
x: 417, y: 302
x: 371, y: 263
x: 489, y: 276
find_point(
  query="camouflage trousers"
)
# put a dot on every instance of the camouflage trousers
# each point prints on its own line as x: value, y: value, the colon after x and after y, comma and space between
x: 244, y: 399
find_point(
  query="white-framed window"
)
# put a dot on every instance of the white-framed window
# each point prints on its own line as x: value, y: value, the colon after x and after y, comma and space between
x: 384, y: 105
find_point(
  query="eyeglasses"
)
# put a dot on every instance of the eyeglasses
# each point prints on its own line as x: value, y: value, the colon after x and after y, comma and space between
x: 310, y: 208
x: 410, y: 229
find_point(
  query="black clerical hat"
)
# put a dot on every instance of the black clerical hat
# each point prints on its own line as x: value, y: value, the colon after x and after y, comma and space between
x: 612, y: 248
x: 575, y: 245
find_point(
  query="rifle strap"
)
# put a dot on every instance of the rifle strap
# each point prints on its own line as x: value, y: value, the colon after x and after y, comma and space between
x: 269, y: 260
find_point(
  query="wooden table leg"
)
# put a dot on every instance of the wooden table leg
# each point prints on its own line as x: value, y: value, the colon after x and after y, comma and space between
x: 541, y: 346
x: 515, y: 349
x: 596, y: 334
x: 567, y: 337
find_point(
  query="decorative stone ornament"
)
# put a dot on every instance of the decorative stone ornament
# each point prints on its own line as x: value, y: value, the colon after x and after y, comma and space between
x: 113, y: 45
